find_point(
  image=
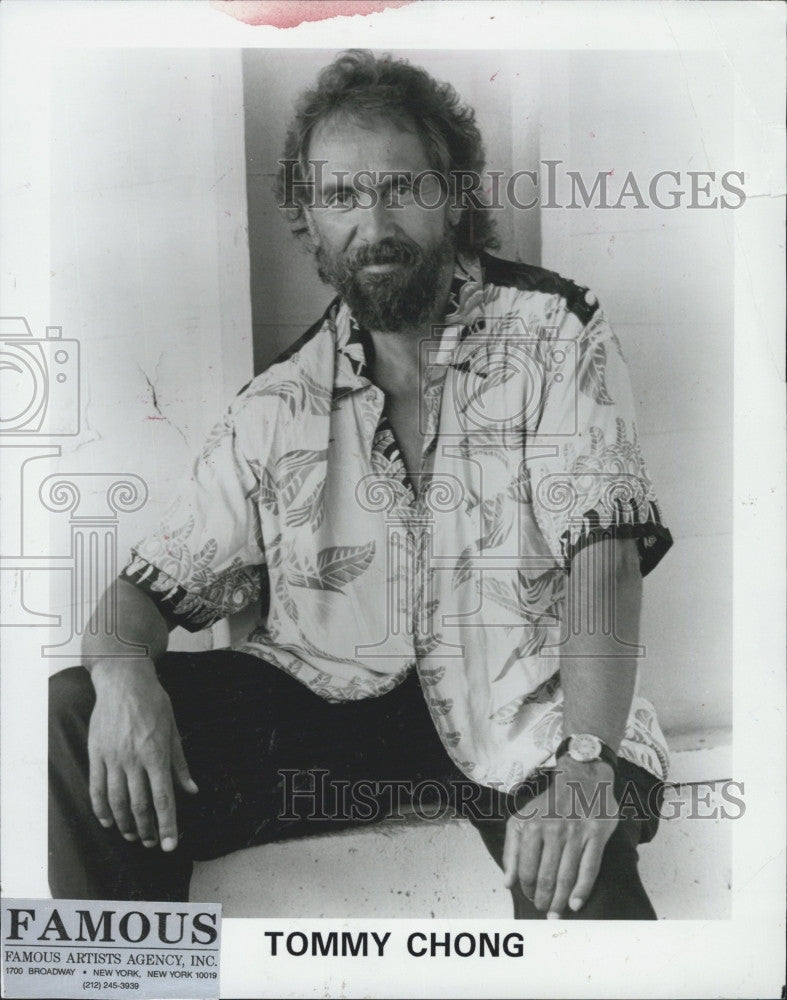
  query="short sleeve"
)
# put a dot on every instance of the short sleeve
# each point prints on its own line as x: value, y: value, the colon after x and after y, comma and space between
x: 205, y: 560
x: 587, y: 473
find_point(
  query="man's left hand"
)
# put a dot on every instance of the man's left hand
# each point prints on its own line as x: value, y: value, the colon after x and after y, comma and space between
x: 554, y: 845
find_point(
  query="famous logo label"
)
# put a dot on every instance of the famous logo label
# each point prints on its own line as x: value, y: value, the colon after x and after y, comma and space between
x: 72, y: 948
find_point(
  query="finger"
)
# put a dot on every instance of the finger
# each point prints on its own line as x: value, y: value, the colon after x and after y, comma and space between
x: 180, y: 768
x: 141, y: 807
x: 98, y: 791
x: 117, y: 792
x: 588, y: 872
x: 164, y: 805
x: 511, y: 853
x: 566, y: 878
x: 530, y: 847
x: 547, y: 870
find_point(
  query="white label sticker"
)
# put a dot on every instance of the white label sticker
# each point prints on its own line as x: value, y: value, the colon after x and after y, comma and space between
x: 79, y: 948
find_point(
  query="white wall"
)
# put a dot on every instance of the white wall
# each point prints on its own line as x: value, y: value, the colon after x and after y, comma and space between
x: 149, y: 260
x: 665, y: 279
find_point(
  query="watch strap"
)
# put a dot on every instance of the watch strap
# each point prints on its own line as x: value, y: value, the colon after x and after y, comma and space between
x: 606, y: 753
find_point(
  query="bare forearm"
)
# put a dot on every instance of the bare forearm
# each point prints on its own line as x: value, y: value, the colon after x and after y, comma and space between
x: 139, y: 622
x: 133, y: 742
x: 598, y: 683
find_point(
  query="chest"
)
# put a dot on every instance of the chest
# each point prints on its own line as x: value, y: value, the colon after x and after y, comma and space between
x: 404, y: 415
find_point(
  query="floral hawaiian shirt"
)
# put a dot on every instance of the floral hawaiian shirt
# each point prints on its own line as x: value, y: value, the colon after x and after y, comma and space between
x: 301, y: 504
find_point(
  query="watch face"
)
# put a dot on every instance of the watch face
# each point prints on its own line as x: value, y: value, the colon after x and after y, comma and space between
x: 584, y: 747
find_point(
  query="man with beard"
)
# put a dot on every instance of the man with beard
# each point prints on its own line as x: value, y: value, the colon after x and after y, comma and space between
x: 421, y: 493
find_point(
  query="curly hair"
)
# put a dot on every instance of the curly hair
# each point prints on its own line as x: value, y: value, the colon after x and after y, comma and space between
x: 358, y: 85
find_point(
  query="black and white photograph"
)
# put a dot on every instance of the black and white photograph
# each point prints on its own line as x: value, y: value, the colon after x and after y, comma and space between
x: 393, y: 495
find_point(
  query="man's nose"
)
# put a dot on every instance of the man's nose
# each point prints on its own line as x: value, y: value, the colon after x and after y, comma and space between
x: 377, y: 221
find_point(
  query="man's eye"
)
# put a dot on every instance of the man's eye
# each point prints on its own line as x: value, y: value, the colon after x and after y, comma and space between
x: 341, y: 199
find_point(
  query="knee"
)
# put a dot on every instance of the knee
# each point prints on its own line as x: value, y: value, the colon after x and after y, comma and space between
x: 618, y: 893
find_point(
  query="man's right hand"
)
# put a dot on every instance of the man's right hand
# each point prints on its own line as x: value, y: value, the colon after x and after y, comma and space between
x: 135, y: 753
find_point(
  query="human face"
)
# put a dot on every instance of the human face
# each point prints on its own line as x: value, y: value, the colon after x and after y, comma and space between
x: 382, y: 250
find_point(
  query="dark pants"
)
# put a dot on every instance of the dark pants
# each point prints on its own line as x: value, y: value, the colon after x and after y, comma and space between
x: 253, y: 736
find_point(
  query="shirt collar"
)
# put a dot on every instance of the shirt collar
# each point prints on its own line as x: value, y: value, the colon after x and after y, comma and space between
x: 464, y: 314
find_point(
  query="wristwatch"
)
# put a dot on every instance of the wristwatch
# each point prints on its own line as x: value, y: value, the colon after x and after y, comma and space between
x: 584, y: 747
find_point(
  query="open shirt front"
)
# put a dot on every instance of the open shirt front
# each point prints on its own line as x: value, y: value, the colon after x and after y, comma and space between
x: 300, y: 501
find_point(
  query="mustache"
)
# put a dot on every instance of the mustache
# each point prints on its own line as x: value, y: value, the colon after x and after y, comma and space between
x: 387, y: 251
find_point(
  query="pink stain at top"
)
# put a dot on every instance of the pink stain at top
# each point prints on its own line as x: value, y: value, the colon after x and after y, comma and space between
x: 291, y: 13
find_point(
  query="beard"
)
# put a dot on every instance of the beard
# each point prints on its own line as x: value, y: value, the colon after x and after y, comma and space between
x: 389, y: 301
